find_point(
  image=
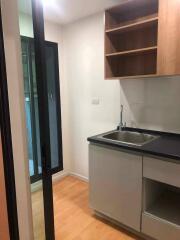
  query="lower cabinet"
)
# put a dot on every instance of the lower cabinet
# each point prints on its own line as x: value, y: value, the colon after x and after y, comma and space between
x: 161, y: 199
x: 116, y: 184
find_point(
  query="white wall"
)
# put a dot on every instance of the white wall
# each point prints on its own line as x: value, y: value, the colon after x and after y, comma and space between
x: 83, y: 64
x: 53, y: 33
x: 152, y: 103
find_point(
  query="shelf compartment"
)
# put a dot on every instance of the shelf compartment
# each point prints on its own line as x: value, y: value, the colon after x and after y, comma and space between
x: 131, y: 12
x: 134, y: 26
x: 161, y: 210
x: 167, y: 207
x: 143, y: 37
x: 136, y: 64
x: 132, y: 52
x: 162, y: 201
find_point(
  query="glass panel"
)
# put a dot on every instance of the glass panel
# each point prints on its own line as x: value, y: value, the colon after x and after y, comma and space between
x: 52, y: 100
x: 32, y: 118
x: 29, y: 134
x: 36, y: 111
x: 28, y: 105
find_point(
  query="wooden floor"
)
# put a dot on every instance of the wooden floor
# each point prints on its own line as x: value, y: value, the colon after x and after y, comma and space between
x: 74, y: 220
x: 38, y: 215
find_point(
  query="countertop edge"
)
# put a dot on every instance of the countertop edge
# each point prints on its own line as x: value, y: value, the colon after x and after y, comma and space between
x: 127, y: 147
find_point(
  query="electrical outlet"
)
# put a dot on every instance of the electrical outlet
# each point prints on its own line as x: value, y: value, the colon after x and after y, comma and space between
x: 95, y: 101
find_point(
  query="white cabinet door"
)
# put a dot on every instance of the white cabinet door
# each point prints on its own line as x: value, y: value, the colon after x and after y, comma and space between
x: 116, y: 184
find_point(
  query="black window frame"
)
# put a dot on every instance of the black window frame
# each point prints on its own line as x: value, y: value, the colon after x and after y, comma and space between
x: 54, y: 45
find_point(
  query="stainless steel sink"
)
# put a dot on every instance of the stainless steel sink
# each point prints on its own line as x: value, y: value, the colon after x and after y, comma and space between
x: 133, y: 138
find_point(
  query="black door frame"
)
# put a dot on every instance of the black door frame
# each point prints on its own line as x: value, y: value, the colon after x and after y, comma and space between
x: 5, y: 127
x: 39, y: 46
x: 30, y: 43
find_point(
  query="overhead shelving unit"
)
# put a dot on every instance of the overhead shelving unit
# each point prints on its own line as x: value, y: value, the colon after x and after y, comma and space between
x: 131, y: 31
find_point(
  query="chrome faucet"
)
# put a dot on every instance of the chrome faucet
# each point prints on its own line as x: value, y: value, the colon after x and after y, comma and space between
x: 121, y: 124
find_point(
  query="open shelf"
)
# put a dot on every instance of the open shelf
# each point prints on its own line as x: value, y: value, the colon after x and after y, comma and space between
x: 144, y: 37
x: 134, y: 26
x: 131, y: 31
x: 139, y: 64
x: 132, y: 77
x: 162, y: 201
x: 132, y: 52
x: 131, y: 12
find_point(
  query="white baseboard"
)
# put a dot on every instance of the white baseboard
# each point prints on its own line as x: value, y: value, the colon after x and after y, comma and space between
x: 57, y: 177
x: 83, y: 178
x: 36, y: 186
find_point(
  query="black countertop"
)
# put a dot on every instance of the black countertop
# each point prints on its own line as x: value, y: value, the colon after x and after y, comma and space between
x: 167, y: 145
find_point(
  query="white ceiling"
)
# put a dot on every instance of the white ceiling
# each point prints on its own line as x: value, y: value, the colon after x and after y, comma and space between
x: 66, y: 11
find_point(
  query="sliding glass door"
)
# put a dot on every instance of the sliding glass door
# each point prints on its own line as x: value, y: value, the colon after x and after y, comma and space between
x: 43, y: 116
x: 31, y: 107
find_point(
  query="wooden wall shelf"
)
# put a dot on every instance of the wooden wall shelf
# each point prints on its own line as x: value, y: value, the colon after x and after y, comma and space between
x: 141, y: 39
x: 132, y: 52
x: 143, y: 63
x: 133, y: 77
x: 134, y: 26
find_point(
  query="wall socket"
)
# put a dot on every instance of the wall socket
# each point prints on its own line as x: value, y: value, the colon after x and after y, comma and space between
x: 95, y: 101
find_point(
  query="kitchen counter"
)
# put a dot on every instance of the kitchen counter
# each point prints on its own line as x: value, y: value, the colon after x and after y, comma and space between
x: 167, y: 145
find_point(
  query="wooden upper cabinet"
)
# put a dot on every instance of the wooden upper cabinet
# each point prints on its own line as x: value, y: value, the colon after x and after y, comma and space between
x: 142, y: 39
x: 169, y: 38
